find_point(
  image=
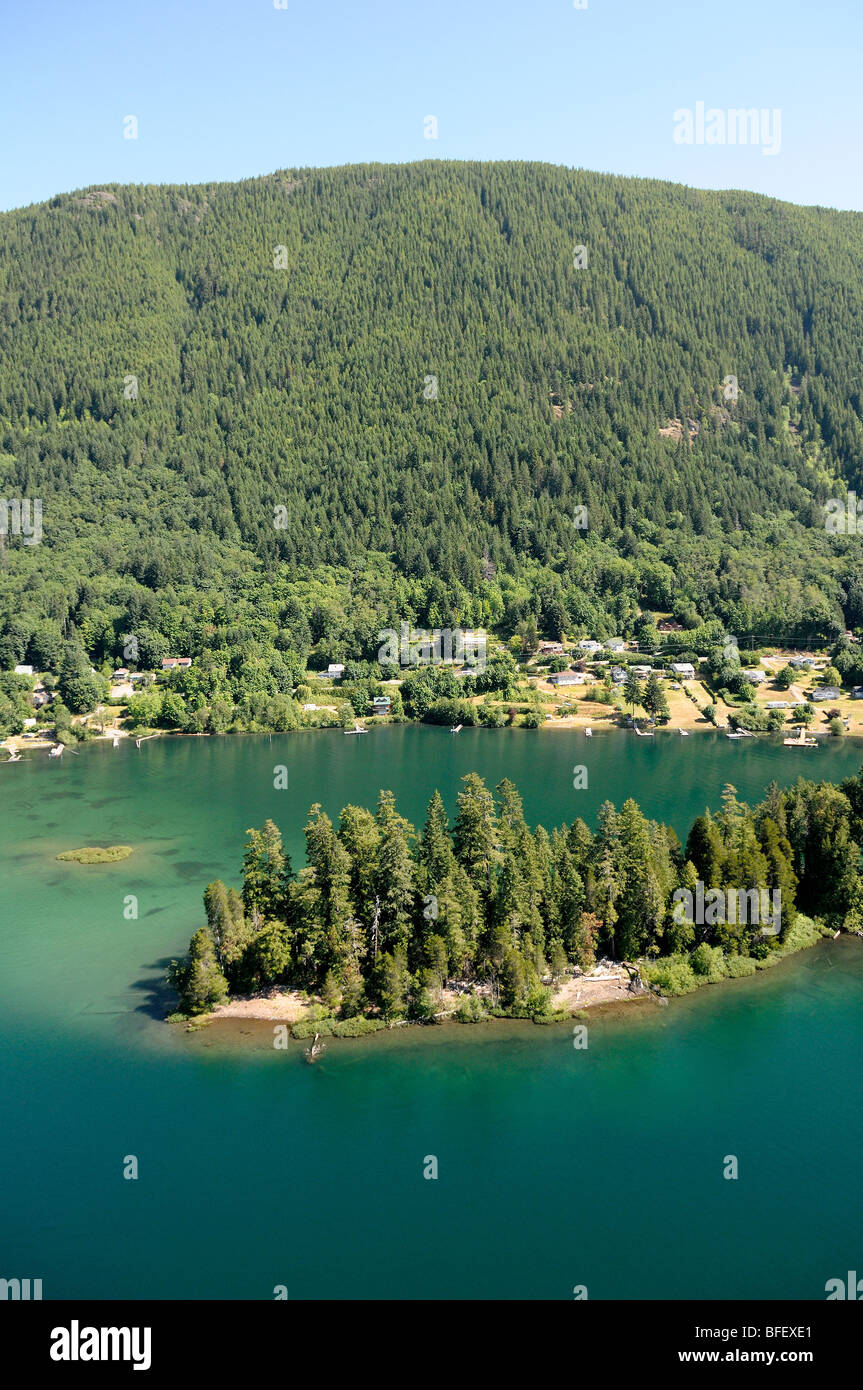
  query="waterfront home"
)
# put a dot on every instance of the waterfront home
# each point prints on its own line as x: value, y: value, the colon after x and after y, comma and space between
x: 825, y: 692
x: 381, y: 704
x: 567, y: 678
x: 684, y: 669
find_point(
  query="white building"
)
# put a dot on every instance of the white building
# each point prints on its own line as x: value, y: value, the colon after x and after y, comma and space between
x: 684, y: 669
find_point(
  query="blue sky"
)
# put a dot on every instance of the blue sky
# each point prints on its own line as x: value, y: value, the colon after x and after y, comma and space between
x: 227, y: 89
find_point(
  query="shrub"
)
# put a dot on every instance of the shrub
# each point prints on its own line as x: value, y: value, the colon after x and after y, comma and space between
x: 708, y: 962
x: 737, y: 967
x: 673, y: 975
x: 306, y: 1028
x: 802, y: 934
x: 356, y: 1027
x: 470, y: 1009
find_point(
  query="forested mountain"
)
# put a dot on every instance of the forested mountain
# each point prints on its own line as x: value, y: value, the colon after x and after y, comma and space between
x: 408, y: 362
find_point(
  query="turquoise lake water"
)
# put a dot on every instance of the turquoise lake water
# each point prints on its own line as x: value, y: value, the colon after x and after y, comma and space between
x: 557, y: 1167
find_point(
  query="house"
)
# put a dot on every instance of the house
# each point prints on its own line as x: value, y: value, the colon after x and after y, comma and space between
x: 23, y: 670
x: 825, y: 692
x: 857, y: 692
x: 176, y: 663
x: 41, y: 698
x: 641, y: 670
x: 381, y: 704
x: 618, y: 675
x: 334, y: 672
x: 589, y: 645
x: 802, y: 663
x: 551, y: 648
x: 137, y: 676
x: 776, y: 704
x: 755, y: 675
x: 121, y: 674
x: 567, y: 678
x: 684, y: 669
x: 616, y: 644
x: 669, y: 625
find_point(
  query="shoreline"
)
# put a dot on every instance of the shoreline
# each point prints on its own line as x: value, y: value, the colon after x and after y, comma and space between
x: 252, y: 1018
x: 283, y: 1005
x: 598, y: 725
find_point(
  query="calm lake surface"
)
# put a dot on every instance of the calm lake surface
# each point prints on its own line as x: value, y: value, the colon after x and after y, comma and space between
x: 556, y: 1167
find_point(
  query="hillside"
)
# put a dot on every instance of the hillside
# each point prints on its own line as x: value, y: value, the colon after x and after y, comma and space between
x: 309, y: 387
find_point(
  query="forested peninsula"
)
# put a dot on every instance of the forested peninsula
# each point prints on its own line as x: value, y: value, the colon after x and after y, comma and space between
x: 384, y: 924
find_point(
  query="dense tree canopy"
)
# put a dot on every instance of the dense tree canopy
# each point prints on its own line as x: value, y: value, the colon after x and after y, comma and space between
x: 282, y: 414
x: 382, y: 917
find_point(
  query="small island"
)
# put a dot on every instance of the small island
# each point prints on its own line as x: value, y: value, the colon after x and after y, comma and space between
x: 96, y: 855
x: 486, y: 918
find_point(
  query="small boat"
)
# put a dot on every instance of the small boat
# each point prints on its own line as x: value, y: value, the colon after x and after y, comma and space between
x: 456, y: 728
x: 730, y: 734
x: 588, y: 733
x: 684, y: 733
x: 116, y: 741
